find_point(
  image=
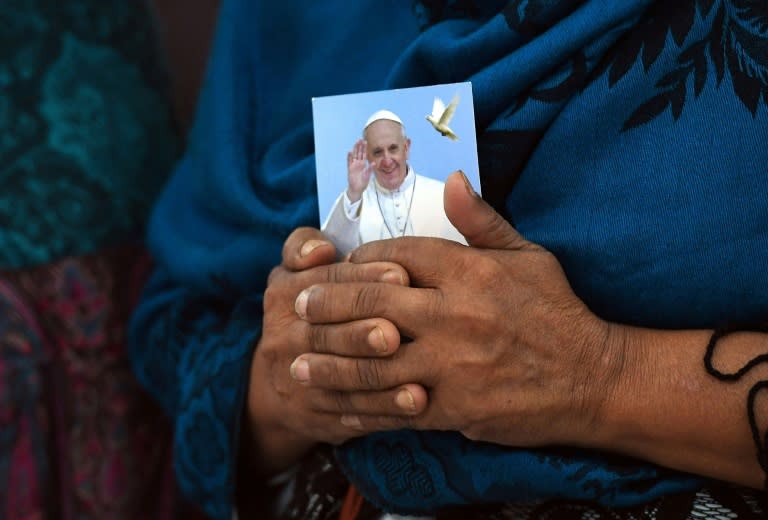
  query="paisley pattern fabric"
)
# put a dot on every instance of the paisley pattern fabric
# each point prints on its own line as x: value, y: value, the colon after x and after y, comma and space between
x: 86, y: 141
x: 87, y: 136
x: 625, y: 137
x: 78, y: 437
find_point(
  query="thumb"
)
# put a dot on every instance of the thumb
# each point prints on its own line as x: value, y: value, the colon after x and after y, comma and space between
x: 476, y: 220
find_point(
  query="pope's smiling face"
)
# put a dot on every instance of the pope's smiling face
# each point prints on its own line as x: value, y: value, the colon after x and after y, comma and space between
x: 388, y: 152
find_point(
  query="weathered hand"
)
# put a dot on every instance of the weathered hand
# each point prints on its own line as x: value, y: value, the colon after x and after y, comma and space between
x: 507, y: 351
x: 358, y: 171
x: 287, y: 417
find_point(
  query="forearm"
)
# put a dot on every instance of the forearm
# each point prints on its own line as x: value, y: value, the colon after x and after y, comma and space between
x: 668, y: 409
x: 266, y: 452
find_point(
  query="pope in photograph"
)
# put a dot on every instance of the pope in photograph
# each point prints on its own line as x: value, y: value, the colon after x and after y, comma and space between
x: 385, y: 197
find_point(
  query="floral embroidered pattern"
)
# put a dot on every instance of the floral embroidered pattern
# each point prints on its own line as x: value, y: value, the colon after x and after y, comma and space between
x: 78, y: 437
x: 87, y: 136
x: 85, y: 143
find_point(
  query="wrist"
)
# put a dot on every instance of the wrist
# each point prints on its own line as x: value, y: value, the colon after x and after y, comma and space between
x: 659, y: 404
x: 275, y: 448
x: 353, y: 195
x: 649, y: 412
x: 272, y: 446
x: 607, y: 371
x: 623, y: 365
x: 260, y: 461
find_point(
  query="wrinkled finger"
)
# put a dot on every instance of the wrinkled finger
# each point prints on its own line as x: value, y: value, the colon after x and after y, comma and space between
x: 368, y: 338
x: 307, y: 247
x: 343, y: 302
x: 340, y: 273
x: 474, y: 218
x: 403, y: 401
x: 350, y: 374
x: 429, y: 261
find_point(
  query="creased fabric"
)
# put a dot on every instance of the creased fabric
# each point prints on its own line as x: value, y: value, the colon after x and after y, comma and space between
x: 626, y: 137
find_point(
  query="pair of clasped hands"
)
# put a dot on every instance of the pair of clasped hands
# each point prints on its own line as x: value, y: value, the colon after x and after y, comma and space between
x: 488, y: 340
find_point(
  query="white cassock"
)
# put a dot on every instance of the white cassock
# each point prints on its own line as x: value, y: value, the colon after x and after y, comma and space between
x: 413, y: 209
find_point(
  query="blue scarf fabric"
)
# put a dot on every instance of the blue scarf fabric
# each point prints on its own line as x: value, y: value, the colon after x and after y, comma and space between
x: 414, y: 472
x: 628, y: 137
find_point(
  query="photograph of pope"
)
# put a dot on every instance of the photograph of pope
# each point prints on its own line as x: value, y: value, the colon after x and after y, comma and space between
x: 385, y: 197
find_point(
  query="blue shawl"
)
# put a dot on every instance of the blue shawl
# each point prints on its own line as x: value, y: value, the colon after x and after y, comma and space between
x: 628, y: 137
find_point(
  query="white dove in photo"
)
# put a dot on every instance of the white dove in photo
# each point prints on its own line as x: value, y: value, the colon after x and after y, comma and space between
x: 441, y: 116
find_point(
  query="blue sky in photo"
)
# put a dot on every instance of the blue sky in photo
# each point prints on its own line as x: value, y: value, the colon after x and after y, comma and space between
x: 339, y: 121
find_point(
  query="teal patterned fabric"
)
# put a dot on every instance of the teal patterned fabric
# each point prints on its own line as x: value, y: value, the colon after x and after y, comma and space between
x: 86, y: 141
x: 86, y: 135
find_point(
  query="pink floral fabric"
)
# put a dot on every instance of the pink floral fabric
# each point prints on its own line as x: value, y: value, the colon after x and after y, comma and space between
x: 79, y: 438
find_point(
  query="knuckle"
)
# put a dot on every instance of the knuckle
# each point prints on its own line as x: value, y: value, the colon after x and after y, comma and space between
x: 271, y: 300
x: 497, y: 225
x: 342, y: 402
x: 435, y: 307
x: 367, y: 300
x: 334, y: 273
x: 485, y: 270
x: 289, y: 246
x: 368, y: 373
x: 549, y: 258
x: 329, y: 373
x: 275, y: 275
x: 317, y: 338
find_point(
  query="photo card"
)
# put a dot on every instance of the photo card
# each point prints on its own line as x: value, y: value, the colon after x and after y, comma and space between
x: 382, y: 159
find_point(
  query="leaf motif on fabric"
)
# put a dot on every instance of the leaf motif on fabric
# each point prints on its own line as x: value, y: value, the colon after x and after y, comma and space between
x: 648, y: 41
x: 530, y: 18
x: 746, y: 47
x: 737, y: 42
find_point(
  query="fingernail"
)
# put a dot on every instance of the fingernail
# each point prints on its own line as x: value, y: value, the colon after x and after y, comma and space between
x: 404, y: 399
x: 300, y: 370
x: 395, y: 277
x: 300, y: 305
x: 468, y: 185
x: 377, y: 341
x: 351, y: 421
x: 311, y: 245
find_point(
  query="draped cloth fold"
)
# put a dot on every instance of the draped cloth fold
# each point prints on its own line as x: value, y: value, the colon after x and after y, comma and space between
x: 418, y: 472
x: 596, y: 121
